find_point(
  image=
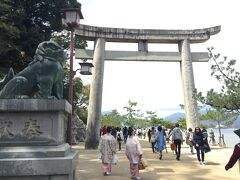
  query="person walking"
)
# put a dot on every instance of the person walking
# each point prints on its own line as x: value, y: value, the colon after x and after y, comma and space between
x: 189, y: 139
x: 177, y: 138
x: 160, y: 143
x: 199, y: 144
x: 134, y: 153
x: 149, y: 134
x: 125, y: 134
x: 119, y: 138
x: 169, y: 134
x: 144, y: 133
x: 114, y: 132
x: 153, y: 138
x: 107, y: 151
x: 212, y: 137
x: 235, y: 155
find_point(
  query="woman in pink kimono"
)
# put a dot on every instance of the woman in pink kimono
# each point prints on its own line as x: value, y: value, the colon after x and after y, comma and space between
x: 134, y: 153
x: 107, y: 149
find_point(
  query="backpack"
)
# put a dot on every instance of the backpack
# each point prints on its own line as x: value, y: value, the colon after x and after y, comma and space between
x: 119, y: 137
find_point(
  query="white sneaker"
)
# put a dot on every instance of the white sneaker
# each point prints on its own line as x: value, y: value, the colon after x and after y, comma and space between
x: 138, y: 178
x: 203, y: 163
x: 200, y: 162
x: 107, y: 174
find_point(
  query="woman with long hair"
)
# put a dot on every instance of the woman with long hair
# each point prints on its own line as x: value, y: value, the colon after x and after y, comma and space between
x: 134, y: 153
x: 199, y: 144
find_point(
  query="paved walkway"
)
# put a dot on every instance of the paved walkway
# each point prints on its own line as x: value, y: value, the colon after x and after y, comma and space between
x: 89, y: 167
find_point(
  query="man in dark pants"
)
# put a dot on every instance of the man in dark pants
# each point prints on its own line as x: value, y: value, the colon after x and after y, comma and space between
x: 149, y: 134
x: 125, y: 134
x: 177, y: 138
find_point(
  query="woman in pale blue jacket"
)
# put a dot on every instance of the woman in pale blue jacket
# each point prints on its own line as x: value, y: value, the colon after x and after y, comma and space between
x: 160, y: 141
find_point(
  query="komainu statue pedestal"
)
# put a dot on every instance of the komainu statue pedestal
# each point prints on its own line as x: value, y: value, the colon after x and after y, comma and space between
x: 32, y: 140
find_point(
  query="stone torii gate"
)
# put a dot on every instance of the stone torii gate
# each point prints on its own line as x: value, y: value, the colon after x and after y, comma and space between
x: 100, y: 35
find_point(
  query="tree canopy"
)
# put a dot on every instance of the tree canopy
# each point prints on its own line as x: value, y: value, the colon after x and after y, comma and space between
x: 225, y: 71
x: 134, y: 117
x: 26, y: 23
x: 225, y: 104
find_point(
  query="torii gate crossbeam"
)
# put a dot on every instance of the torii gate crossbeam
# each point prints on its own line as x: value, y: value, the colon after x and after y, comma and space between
x: 141, y: 36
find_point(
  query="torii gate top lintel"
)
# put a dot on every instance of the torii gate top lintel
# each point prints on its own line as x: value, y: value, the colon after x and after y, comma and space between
x: 87, y: 32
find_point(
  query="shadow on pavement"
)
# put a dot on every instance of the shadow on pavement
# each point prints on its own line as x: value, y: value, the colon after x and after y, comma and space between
x: 188, y: 168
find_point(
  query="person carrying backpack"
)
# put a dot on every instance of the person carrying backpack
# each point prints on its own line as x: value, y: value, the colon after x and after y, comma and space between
x: 189, y: 139
x: 119, y: 138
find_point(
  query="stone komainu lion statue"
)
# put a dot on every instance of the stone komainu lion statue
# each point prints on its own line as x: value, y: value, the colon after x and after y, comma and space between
x: 43, y: 77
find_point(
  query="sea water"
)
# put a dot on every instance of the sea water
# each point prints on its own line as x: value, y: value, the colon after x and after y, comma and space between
x: 230, y: 137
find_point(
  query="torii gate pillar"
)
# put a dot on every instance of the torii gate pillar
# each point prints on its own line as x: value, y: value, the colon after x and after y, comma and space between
x: 190, y: 104
x: 95, y: 99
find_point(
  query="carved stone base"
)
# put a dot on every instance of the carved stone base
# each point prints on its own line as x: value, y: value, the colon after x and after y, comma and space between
x: 51, y: 168
x: 32, y: 140
x: 29, y: 122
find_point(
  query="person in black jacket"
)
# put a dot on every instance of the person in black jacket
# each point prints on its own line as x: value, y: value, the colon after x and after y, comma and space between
x: 199, y: 144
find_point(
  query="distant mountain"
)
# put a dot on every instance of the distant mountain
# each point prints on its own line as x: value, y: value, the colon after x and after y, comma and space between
x: 210, y: 123
x: 106, y: 112
x: 175, y: 117
x: 236, y: 123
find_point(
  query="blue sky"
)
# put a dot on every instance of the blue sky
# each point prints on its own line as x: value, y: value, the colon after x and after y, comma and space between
x: 156, y: 86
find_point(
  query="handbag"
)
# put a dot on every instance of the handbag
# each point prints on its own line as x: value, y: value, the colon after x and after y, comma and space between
x: 115, y: 159
x: 119, y: 137
x: 173, y: 146
x: 206, y: 147
x: 142, y: 164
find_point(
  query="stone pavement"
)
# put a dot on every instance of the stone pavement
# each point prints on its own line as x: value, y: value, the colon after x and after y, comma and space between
x: 188, y: 168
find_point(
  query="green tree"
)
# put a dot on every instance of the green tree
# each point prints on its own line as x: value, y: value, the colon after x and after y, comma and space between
x: 225, y: 105
x: 155, y: 121
x: 225, y: 72
x: 150, y: 115
x: 26, y: 23
x: 152, y: 118
x: 63, y: 39
x: 167, y: 124
x: 80, y: 95
x: 182, y: 123
x: 131, y: 113
x: 9, y: 33
x: 83, y: 103
x: 112, y: 119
